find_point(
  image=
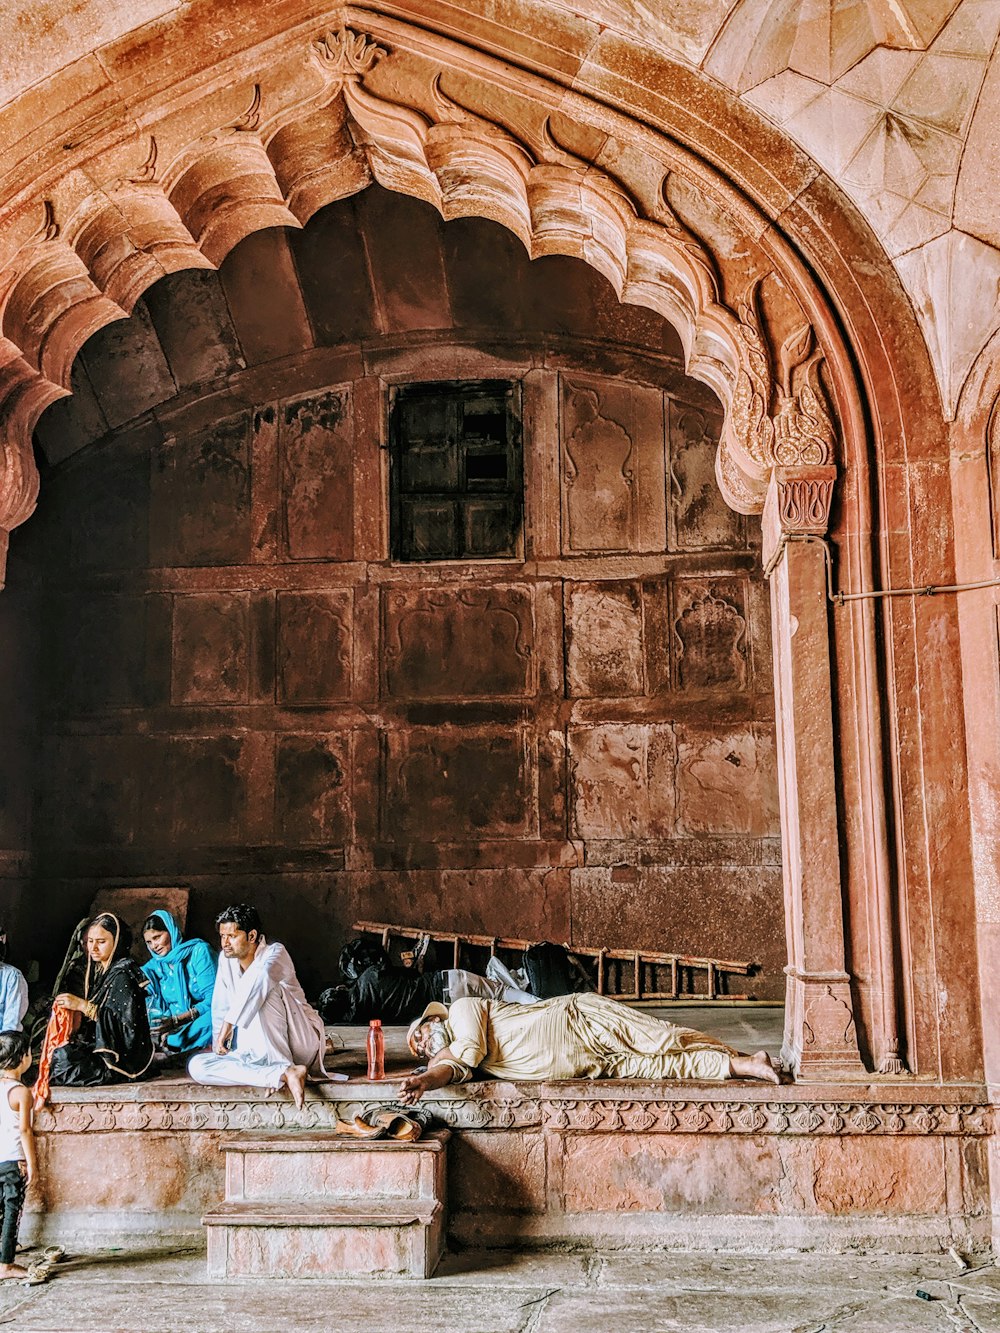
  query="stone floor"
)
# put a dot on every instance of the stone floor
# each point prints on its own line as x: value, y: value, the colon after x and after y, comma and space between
x: 534, y: 1292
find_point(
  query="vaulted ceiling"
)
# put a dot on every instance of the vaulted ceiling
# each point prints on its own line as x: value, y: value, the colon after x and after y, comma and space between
x: 896, y: 101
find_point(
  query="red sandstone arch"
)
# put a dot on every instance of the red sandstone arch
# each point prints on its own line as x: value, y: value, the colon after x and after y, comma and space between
x: 78, y: 247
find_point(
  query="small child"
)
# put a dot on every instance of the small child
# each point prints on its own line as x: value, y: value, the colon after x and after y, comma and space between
x: 17, y: 1147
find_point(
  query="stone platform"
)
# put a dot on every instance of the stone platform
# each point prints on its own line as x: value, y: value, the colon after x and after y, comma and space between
x: 898, y: 1164
x: 303, y: 1204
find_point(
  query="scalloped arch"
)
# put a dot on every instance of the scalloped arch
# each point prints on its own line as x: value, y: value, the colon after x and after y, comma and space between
x: 64, y: 274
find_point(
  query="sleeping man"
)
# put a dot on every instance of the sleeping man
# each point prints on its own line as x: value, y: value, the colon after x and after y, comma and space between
x: 574, y: 1036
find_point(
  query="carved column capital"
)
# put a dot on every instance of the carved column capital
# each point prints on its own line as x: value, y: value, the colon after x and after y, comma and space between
x: 798, y: 503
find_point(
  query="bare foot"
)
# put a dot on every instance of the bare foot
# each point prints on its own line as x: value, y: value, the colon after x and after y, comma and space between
x: 12, y: 1271
x: 759, y: 1065
x: 295, y: 1082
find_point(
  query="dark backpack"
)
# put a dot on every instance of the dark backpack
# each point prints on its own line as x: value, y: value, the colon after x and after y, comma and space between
x: 551, y: 971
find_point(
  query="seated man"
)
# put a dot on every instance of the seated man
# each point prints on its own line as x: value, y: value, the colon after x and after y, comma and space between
x: 574, y: 1036
x: 397, y: 994
x: 265, y: 1033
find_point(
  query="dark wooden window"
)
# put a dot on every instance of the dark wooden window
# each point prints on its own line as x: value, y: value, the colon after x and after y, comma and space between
x: 456, y: 485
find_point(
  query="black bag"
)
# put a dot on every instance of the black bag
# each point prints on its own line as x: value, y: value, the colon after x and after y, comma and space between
x: 552, y: 971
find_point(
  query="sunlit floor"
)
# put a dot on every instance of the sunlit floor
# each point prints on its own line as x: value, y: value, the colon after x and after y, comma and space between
x: 540, y: 1292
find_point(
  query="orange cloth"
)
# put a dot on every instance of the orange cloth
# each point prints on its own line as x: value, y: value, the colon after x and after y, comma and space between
x: 61, y: 1026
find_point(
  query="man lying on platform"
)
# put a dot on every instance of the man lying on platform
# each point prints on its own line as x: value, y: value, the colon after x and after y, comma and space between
x: 574, y: 1036
x: 265, y: 1032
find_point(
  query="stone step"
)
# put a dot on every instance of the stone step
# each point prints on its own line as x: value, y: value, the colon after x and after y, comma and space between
x: 338, y: 1238
x: 320, y: 1165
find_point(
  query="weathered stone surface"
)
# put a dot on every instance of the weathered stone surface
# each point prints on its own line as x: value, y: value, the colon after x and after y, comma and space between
x: 623, y: 781
x: 194, y: 327
x: 314, y: 646
x: 612, y: 467
x: 317, y: 476
x: 710, y: 626
x: 467, y: 643
x: 726, y: 782
x: 604, y: 626
x: 312, y: 789
x: 698, y: 517
x: 211, y: 646
x: 670, y: 1174
x: 506, y: 1171
x: 445, y: 784
x: 200, y: 512
x: 254, y: 640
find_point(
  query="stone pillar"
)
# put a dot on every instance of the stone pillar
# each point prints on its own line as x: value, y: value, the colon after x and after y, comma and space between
x: 820, y: 1038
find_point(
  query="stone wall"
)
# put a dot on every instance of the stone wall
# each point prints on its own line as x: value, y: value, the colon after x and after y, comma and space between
x: 898, y: 1166
x: 244, y: 694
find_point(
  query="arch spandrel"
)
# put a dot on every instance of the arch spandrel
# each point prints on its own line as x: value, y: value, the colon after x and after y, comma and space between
x: 332, y: 131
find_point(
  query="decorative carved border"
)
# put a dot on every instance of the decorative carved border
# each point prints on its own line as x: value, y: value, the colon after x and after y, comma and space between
x: 558, y: 1115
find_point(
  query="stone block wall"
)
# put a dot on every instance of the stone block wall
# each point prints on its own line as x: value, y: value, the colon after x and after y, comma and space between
x: 242, y: 692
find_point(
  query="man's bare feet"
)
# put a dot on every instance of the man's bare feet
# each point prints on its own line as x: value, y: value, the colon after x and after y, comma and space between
x: 11, y: 1271
x: 295, y: 1082
x: 759, y: 1065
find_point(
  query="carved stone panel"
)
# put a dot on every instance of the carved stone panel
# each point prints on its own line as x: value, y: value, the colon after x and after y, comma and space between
x: 727, y: 781
x: 612, y: 452
x: 211, y: 641
x: 312, y: 790
x: 458, y: 643
x: 711, y: 645
x: 314, y: 641
x: 315, y: 440
x: 457, y: 784
x: 604, y: 633
x: 622, y: 780
x: 698, y: 517
x: 201, y: 497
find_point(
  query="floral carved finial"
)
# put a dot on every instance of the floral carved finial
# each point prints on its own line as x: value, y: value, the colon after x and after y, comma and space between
x: 803, y: 430
x: 347, y: 55
x: 795, y: 429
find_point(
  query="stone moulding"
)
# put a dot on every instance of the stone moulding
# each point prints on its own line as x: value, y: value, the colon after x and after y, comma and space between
x: 71, y: 264
x: 513, y: 1111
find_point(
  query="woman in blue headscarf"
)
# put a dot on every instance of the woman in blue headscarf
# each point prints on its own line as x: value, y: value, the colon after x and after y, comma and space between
x: 181, y: 977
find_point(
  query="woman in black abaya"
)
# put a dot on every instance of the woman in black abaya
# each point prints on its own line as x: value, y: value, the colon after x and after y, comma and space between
x: 112, y: 1043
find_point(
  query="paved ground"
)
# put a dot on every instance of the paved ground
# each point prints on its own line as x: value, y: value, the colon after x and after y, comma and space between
x: 497, y: 1292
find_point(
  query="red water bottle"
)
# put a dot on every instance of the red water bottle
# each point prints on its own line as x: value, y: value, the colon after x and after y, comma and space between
x: 376, y: 1049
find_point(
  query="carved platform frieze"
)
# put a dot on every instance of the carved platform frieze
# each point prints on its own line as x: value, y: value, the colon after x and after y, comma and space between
x: 508, y: 1108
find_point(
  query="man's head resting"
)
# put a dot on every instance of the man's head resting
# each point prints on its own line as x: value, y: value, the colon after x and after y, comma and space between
x: 434, y: 1012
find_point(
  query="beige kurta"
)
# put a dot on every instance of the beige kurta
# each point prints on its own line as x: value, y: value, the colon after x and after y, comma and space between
x: 576, y: 1036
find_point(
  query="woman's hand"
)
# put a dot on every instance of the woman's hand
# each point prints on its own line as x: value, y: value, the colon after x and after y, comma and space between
x: 68, y: 1001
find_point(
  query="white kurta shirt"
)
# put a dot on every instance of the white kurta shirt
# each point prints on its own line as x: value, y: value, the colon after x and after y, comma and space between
x: 239, y: 996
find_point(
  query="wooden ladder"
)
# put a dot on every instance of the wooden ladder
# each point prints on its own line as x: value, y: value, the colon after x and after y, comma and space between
x: 612, y: 965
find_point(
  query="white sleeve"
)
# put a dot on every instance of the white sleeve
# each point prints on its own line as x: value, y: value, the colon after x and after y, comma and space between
x: 221, y: 994
x: 267, y: 970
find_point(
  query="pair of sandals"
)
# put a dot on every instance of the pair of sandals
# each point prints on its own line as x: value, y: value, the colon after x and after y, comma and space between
x: 401, y: 1124
x: 41, y: 1269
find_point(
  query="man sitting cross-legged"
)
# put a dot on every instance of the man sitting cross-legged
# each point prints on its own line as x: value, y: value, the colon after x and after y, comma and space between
x: 574, y: 1036
x: 265, y: 1033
